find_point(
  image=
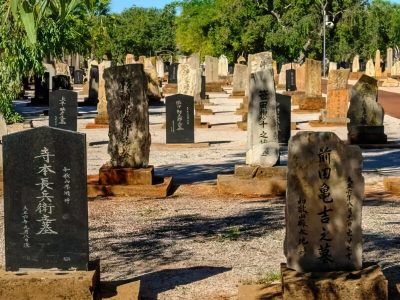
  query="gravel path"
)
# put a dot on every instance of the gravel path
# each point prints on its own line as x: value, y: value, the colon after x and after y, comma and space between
x: 198, y: 245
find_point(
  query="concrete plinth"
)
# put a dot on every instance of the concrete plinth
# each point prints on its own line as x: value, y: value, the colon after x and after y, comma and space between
x: 368, y: 283
x: 365, y: 134
x: 312, y: 103
x: 214, y: 87
x: 254, y: 181
x: 392, y: 185
x: 49, y: 285
x: 128, y: 182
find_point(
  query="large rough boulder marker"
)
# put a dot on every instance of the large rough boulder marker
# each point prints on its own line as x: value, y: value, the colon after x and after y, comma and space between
x: 262, y: 134
x: 365, y: 113
x: 127, y: 107
x: 325, y: 190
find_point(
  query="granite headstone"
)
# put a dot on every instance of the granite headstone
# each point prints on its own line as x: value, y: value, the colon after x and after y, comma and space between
x: 283, y: 111
x: 78, y: 77
x: 45, y: 200
x: 63, y: 110
x: 179, y: 119
x: 173, y: 73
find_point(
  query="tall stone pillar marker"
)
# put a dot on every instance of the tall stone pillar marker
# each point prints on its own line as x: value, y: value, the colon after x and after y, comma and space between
x: 389, y: 60
x: 128, y: 172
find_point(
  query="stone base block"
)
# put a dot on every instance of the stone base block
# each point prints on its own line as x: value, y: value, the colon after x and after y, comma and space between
x: 170, y: 88
x: 318, y: 123
x: 368, y: 283
x: 238, y: 93
x: 366, y: 135
x: 295, y: 96
x: 293, y: 126
x: 214, y: 87
x: 260, y: 292
x: 159, y: 189
x: 159, y: 146
x: 242, y: 125
x: 355, y: 75
x: 312, y: 103
x: 254, y: 181
x: 49, y: 285
x: 205, y: 112
x: 95, y: 126
x: 122, y: 176
x: 199, y: 124
x: 392, y: 185
x: 101, y: 120
x: 125, y: 291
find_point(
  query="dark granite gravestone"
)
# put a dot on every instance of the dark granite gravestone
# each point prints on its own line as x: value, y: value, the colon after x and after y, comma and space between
x: 41, y: 90
x: 93, y: 96
x: 291, y: 80
x: 63, y: 110
x: 78, y: 77
x: 45, y: 200
x: 231, y: 69
x: 71, y: 70
x: 173, y: 73
x: 61, y: 82
x: 180, y: 119
x: 283, y: 110
x: 363, y: 66
x: 203, y: 88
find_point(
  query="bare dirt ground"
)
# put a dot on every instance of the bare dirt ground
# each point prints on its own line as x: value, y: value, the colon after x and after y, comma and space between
x: 197, y: 244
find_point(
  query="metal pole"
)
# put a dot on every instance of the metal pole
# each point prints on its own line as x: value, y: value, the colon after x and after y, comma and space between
x: 324, y: 50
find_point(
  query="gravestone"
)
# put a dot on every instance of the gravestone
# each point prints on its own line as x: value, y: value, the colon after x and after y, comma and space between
x: 370, y: 68
x: 45, y: 200
x: 332, y: 66
x: 282, y: 75
x: 93, y: 94
x: 63, y: 110
x: 78, y: 77
x: 42, y: 92
x: 129, y: 59
x: 325, y: 190
x: 378, y: 69
x: 160, y: 68
x: 291, y: 80
x: 194, y: 61
x: 211, y: 69
x: 337, y: 97
x: 179, y: 119
x: 313, y: 78
x: 71, y: 71
x: 262, y: 130
x: 389, y: 60
x: 395, y: 70
x: 129, y: 135
x: 222, y: 66
x: 283, y: 111
x: 61, y: 82
x: 356, y: 64
x: 102, y: 115
x: 240, y: 80
x: 259, y: 61
x: 189, y: 81
x: 173, y: 73
x: 153, y: 91
x: 3, y: 132
x: 203, y: 88
x: 365, y: 113
x: 241, y: 60
x: 301, y: 77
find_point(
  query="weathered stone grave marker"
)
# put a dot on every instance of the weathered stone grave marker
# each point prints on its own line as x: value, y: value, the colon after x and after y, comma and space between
x: 365, y: 114
x: 93, y: 96
x: 283, y: 111
x: 240, y: 79
x: 63, y: 110
x: 128, y: 171
x: 179, y: 119
x: 46, y: 213
x: 173, y: 73
x: 78, y: 77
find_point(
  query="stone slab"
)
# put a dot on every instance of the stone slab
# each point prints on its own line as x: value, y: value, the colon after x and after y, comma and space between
x: 251, y: 187
x: 125, y: 291
x: 312, y: 103
x: 260, y: 292
x: 179, y: 111
x: 317, y: 123
x: 159, y: 146
x: 95, y: 126
x: 160, y: 188
x: 51, y: 284
x: 392, y: 185
x: 129, y: 176
x: 367, y: 283
x: 214, y: 87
